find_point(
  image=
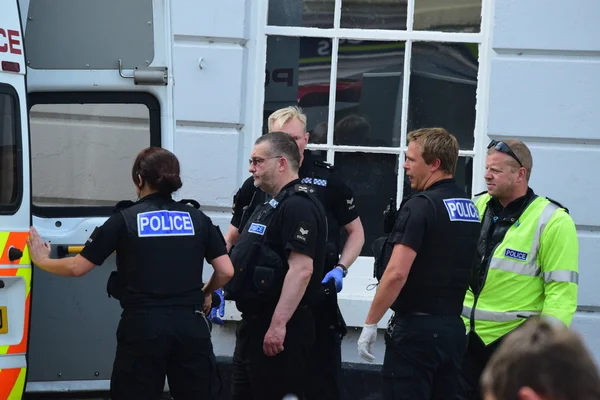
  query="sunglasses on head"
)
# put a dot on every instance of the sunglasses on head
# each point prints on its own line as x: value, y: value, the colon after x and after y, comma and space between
x: 504, y: 148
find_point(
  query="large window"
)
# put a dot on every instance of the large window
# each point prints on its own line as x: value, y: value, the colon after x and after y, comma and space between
x: 367, y: 72
x: 83, y: 147
x: 10, y: 150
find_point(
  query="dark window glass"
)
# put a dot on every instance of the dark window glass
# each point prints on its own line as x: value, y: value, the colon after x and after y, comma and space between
x: 374, y: 14
x: 297, y: 73
x: 9, y: 170
x: 443, y: 84
x: 369, y: 93
x: 304, y: 13
x: 374, y: 180
x: 464, y: 174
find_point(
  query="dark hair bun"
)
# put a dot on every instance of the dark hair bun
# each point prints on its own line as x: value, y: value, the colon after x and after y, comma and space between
x: 168, y: 183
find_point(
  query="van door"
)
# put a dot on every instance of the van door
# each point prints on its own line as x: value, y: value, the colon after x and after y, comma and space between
x: 96, y: 97
x: 15, y: 218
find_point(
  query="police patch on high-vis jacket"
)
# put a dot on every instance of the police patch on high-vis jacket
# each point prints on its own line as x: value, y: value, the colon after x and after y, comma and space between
x: 164, y: 223
x: 517, y: 255
x: 463, y: 210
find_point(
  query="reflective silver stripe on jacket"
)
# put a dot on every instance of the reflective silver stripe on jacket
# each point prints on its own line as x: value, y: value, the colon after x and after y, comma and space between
x: 529, y: 268
x: 498, y: 316
x: 562, y: 275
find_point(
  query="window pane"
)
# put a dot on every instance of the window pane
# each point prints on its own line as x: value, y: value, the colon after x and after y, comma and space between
x: 82, y: 154
x: 8, y: 150
x: 298, y: 71
x: 374, y: 14
x: 448, y: 16
x: 373, y: 178
x: 307, y: 13
x: 369, y: 93
x: 464, y: 174
x: 443, y: 84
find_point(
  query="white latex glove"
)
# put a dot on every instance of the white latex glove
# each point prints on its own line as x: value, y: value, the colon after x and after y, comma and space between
x: 367, y: 339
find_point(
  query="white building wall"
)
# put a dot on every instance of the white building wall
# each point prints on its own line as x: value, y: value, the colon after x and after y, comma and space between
x: 544, y: 90
x: 210, y: 67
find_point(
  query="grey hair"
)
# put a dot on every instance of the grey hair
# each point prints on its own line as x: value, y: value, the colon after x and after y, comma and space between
x: 282, y: 144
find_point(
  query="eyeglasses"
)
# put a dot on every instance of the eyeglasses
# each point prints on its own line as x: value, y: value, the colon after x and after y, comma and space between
x: 259, y: 160
x: 504, y: 148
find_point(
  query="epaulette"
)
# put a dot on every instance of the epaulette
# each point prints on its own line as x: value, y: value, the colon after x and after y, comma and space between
x: 190, y: 202
x: 123, y: 204
x: 558, y: 204
x: 324, y: 164
x: 301, y: 187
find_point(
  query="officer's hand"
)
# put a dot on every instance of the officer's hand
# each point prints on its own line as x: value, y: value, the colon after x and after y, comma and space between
x: 338, y: 276
x: 38, y: 250
x: 215, y: 312
x: 274, y: 338
x: 367, y: 339
x: 207, y: 303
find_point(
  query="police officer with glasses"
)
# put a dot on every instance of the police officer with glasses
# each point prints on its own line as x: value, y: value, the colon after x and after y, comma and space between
x: 278, y: 261
x: 427, y: 258
x: 160, y: 247
x: 340, y: 207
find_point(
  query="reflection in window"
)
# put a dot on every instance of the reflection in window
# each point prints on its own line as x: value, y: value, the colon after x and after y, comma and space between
x: 464, y: 174
x: 297, y: 73
x: 306, y: 13
x: 447, y: 16
x: 373, y: 179
x: 82, y: 154
x: 443, y: 84
x: 8, y: 150
x: 369, y: 85
x: 374, y: 14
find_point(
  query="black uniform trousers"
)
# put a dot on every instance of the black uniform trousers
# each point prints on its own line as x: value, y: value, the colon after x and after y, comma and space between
x: 474, y: 362
x: 325, y: 361
x: 423, y: 355
x: 164, y: 341
x: 256, y: 376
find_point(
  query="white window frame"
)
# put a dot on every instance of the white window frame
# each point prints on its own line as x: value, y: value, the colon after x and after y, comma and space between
x: 361, y: 272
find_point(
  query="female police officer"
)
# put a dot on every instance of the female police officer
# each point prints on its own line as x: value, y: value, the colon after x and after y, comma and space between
x: 160, y: 246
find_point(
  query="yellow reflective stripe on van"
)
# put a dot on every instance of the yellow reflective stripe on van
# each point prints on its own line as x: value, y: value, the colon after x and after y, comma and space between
x: 12, y: 383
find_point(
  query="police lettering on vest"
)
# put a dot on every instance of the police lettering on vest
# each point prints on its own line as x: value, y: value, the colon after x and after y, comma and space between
x: 165, y: 223
x: 461, y: 210
x: 442, y: 267
x: 517, y: 255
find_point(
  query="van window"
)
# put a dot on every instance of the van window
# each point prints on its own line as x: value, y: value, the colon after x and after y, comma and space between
x: 82, y: 153
x: 9, y: 149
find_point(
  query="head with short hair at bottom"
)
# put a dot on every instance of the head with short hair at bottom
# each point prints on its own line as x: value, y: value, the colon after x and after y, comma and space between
x: 352, y: 130
x: 292, y: 121
x: 540, y: 361
x: 506, y: 179
x: 274, y: 161
x: 431, y: 156
x: 156, y: 169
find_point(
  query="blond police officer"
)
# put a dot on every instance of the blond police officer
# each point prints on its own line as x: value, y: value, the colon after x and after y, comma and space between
x: 526, y: 262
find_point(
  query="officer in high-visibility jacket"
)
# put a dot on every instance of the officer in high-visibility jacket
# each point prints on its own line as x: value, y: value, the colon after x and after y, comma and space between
x: 526, y: 262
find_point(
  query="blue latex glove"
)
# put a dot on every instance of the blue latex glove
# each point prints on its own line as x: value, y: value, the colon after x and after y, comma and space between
x: 213, y: 317
x: 338, y: 276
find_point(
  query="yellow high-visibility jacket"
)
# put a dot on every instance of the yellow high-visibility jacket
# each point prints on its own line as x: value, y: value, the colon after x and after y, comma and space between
x: 533, y: 271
